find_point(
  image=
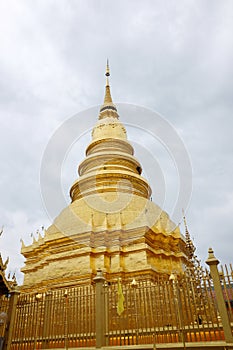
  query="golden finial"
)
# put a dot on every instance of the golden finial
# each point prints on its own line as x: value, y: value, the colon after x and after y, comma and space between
x: 184, y: 219
x: 107, y: 73
x: 108, y: 109
x: 189, y: 243
x: 107, y: 69
x: 107, y: 98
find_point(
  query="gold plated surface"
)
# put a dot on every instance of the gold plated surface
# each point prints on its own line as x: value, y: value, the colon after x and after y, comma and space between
x: 111, y: 222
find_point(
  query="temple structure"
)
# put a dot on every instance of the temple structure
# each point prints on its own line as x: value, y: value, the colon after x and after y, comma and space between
x: 111, y: 223
x: 5, y: 284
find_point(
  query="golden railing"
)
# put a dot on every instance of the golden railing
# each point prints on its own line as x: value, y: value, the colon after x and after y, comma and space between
x: 226, y: 278
x: 4, y: 305
x: 163, y: 310
x: 56, y: 319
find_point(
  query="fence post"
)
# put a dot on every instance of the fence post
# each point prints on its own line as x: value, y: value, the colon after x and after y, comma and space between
x: 213, y: 262
x: 47, y: 320
x: 11, y: 319
x: 100, y: 309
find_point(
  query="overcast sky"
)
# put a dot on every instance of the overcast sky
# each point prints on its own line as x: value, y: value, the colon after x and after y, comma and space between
x: 173, y: 57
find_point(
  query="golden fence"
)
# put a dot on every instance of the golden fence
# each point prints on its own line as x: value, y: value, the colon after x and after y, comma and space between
x: 4, y: 305
x: 226, y: 278
x: 56, y: 319
x: 163, y: 310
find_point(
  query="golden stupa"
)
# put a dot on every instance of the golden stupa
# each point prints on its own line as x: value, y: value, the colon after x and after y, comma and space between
x: 111, y: 222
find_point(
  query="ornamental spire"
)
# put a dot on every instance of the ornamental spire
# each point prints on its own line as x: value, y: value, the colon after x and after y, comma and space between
x: 189, y: 244
x: 108, y: 97
x: 107, y: 69
x: 108, y: 109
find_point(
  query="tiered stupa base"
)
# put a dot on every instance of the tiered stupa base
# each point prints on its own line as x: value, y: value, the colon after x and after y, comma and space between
x: 128, y: 237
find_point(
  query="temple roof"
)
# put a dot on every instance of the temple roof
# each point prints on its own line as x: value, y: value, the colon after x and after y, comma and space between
x: 4, y: 284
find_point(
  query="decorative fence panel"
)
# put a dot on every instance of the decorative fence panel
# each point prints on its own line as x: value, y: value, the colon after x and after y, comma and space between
x: 57, y: 319
x: 4, y: 306
x: 164, y: 310
x: 226, y: 278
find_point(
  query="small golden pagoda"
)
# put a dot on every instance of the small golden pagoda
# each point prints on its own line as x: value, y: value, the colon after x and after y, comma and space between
x: 111, y: 222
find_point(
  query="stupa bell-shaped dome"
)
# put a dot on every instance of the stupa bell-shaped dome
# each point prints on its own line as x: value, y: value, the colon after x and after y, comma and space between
x: 109, y: 127
x: 110, y: 165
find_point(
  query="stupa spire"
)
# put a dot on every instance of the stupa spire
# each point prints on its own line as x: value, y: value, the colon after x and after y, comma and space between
x: 109, y: 166
x: 107, y: 97
x: 108, y: 108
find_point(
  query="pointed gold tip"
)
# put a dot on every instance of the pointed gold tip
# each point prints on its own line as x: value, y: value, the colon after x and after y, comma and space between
x: 108, y: 108
x: 107, y: 98
x: 212, y: 260
x: 107, y: 69
x: 184, y: 219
